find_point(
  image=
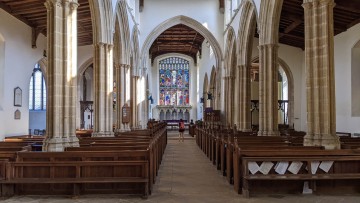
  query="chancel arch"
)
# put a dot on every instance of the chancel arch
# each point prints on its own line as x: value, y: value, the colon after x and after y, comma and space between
x: 187, y: 21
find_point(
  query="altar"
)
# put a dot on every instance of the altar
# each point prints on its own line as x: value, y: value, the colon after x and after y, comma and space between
x: 174, y: 112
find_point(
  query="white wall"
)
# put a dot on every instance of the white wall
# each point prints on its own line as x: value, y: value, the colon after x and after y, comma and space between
x: 355, y: 81
x: 343, y: 44
x: 19, y: 58
x: 84, y: 54
x: 205, y: 65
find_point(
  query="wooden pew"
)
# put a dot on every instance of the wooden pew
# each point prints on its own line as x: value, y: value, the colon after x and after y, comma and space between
x: 76, y: 177
x: 273, y: 153
x: 336, y: 168
x: 57, y: 165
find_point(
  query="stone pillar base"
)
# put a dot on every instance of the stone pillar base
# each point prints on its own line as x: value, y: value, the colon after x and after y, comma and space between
x: 74, y: 141
x: 308, y: 140
x: 326, y: 140
x: 66, y: 142
x: 245, y: 130
x: 102, y: 134
x: 53, y: 145
x: 127, y: 127
x: 268, y: 133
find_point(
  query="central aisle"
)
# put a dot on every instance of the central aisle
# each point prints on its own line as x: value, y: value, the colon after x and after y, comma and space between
x: 186, y: 175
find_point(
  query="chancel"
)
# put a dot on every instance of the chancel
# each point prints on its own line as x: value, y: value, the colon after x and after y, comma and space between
x: 92, y: 93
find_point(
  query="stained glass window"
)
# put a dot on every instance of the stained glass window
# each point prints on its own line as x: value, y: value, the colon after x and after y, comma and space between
x: 174, y: 81
x: 37, y: 90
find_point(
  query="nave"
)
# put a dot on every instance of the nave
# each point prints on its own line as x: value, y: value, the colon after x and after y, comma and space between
x: 187, y: 175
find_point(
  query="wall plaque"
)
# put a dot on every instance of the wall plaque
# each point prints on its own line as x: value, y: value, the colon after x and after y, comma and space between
x: 17, y: 115
x: 17, y: 96
x: 126, y: 113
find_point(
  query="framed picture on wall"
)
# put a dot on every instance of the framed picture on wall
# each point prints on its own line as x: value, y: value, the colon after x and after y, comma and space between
x: 17, y: 96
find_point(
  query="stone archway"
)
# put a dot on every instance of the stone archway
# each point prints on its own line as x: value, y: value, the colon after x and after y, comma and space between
x: 246, y: 33
x: 230, y: 77
x: 291, y: 89
x: 214, y: 88
x: 188, y: 22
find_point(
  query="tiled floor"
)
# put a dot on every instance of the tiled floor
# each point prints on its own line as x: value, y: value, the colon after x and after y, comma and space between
x: 186, y: 175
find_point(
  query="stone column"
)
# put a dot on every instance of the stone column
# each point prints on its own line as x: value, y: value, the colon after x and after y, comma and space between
x: 229, y: 100
x: 61, y: 75
x: 120, y: 96
x: 133, y: 99
x: 320, y: 79
x: 103, y: 86
x: 237, y: 92
x: 245, y: 98
x: 268, y: 90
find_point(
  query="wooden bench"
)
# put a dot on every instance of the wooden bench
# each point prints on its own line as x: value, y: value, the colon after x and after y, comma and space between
x: 82, y: 176
x: 62, y: 165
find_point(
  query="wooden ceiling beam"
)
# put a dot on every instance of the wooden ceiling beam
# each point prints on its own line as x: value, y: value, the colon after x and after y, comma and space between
x: 293, y: 36
x: 141, y: 5
x: 348, y: 5
x: 8, y: 10
x: 221, y: 6
x: 354, y: 22
x: 291, y: 27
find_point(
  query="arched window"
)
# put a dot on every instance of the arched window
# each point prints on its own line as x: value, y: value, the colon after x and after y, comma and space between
x: 37, y: 90
x: 174, y: 81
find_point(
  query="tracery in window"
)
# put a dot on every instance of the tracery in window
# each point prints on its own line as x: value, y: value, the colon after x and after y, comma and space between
x: 174, y: 81
x: 37, y: 90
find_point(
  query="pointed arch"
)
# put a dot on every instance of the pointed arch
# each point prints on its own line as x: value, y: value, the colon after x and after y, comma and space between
x: 214, y: 85
x: 122, y: 39
x: 269, y: 19
x: 102, y: 21
x: 246, y: 32
x: 252, y: 4
x: 43, y: 66
x: 185, y: 21
x: 135, y: 51
x: 230, y: 52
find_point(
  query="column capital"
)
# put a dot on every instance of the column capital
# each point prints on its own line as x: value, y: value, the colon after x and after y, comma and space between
x: 307, y: 4
x: 74, y: 5
x: 267, y: 46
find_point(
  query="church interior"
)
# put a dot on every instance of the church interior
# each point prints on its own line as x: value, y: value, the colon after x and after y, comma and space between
x: 92, y: 93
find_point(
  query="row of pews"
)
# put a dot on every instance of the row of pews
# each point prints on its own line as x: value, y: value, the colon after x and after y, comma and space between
x: 125, y: 164
x: 280, y: 164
